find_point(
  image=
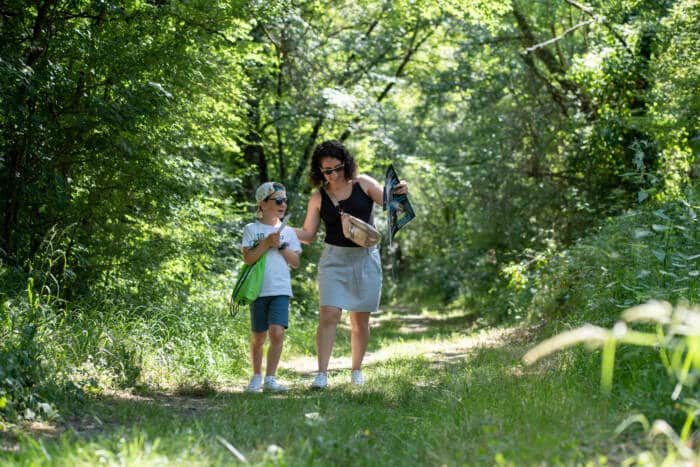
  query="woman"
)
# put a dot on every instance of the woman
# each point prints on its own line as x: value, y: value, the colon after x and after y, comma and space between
x: 349, y: 276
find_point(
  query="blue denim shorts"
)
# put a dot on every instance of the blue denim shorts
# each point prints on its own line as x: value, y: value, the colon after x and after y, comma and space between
x: 265, y: 311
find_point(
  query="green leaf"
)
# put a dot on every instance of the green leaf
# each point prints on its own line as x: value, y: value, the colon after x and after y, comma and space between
x: 660, y: 255
x: 641, y: 233
x: 662, y: 215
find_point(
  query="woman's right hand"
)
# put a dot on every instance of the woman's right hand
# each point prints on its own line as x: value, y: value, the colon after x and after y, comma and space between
x: 307, y: 233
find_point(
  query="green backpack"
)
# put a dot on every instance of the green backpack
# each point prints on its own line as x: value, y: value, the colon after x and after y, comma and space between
x: 248, y: 285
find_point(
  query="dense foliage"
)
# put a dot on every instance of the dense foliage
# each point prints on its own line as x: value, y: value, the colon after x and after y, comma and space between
x: 644, y: 262
x: 132, y: 135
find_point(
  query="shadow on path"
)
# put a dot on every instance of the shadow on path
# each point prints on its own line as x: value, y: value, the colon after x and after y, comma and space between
x: 442, y: 339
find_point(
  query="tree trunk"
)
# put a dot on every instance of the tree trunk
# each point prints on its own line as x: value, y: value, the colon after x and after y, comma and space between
x: 253, y: 151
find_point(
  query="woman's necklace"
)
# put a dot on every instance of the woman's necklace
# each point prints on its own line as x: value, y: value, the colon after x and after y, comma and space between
x: 340, y: 191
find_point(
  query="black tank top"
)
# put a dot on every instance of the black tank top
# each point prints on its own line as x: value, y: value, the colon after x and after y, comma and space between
x: 359, y: 204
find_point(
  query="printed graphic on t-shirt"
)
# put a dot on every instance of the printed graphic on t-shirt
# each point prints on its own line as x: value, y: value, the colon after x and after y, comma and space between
x: 277, y: 280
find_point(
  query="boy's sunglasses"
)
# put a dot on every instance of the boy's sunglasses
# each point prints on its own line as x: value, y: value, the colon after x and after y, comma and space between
x: 337, y: 168
x: 279, y: 201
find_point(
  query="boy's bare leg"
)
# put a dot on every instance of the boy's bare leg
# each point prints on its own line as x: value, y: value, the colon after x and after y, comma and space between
x: 274, y: 351
x: 257, y: 340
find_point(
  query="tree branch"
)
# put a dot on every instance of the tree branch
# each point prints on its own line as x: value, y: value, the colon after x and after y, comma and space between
x: 414, y: 45
x: 552, y: 65
x: 308, y: 150
x: 311, y: 140
x: 600, y: 19
x: 559, y: 37
x: 214, y: 32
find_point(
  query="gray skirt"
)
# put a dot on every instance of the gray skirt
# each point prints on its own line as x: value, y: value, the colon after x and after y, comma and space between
x: 350, y: 278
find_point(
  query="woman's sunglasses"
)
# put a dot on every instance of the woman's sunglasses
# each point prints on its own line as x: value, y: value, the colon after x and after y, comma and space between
x: 337, y: 168
x: 279, y: 201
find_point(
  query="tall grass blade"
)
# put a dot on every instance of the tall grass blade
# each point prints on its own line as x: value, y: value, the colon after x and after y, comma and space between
x: 661, y: 427
x: 655, y: 311
x: 588, y: 334
x: 626, y: 423
x: 237, y: 454
x: 608, y: 365
x: 663, y: 353
x: 690, y: 418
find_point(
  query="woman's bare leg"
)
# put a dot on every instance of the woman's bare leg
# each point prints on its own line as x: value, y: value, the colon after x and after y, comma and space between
x: 359, y: 328
x: 325, y: 335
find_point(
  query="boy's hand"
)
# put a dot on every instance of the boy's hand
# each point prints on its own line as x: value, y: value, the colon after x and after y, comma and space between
x: 272, y: 240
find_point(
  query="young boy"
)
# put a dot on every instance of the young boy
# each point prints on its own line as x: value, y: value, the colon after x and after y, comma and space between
x: 269, y: 313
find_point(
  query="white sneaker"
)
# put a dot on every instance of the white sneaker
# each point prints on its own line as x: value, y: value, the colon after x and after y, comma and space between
x: 357, y: 378
x: 272, y: 385
x: 255, y: 384
x: 320, y: 381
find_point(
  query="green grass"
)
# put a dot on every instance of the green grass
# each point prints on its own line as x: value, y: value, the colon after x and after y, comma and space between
x: 440, y: 394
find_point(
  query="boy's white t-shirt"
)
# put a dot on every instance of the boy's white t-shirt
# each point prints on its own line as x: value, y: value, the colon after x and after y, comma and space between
x: 277, y: 280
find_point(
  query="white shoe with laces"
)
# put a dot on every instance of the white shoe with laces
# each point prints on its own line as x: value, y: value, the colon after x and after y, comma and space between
x: 320, y: 381
x: 272, y: 385
x: 255, y: 384
x: 357, y: 378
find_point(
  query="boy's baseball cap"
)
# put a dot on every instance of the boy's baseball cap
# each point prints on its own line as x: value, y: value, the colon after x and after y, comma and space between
x: 267, y: 189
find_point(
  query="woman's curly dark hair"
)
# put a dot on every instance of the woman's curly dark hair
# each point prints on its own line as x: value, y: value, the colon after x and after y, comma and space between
x: 336, y: 150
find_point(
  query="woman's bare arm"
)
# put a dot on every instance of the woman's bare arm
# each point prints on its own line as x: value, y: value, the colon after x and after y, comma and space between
x: 307, y: 233
x: 372, y: 187
x: 375, y: 191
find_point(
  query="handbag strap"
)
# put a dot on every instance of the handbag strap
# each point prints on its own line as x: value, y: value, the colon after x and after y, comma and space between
x: 333, y: 200
x: 336, y: 203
